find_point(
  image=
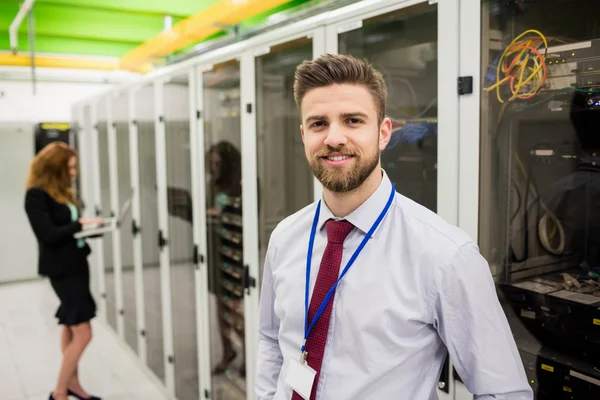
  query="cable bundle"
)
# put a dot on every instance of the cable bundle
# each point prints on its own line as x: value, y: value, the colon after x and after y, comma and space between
x: 412, y: 133
x: 521, y: 68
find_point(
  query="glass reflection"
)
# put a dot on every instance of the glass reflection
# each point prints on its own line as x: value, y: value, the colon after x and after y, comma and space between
x: 144, y: 116
x: 540, y: 185
x: 285, y: 180
x: 222, y: 127
x: 105, y: 206
x: 120, y: 111
x: 402, y: 45
x: 181, y: 249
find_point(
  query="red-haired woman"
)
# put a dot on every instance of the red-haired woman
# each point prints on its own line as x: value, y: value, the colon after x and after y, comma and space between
x: 53, y: 215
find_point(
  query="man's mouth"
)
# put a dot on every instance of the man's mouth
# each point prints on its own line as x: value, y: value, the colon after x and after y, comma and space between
x: 337, y: 158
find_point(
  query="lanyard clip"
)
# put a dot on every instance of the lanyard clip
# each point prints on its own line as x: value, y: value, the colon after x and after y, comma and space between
x: 304, y: 354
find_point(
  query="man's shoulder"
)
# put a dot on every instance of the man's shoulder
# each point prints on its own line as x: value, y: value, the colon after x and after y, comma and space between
x: 292, y: 228
x: 428, y: 226
x: 293, y: 225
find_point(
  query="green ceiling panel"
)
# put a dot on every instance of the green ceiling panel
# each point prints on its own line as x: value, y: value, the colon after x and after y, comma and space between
x: 104, y: 27
x: 179, y: 8
x: 68, y: 46
x: 78, y: 22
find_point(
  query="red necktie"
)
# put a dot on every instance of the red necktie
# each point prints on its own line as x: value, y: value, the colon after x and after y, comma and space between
x: 329, y: 271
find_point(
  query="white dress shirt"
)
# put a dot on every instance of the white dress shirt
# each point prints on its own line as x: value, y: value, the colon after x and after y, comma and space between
x: 418, y: 289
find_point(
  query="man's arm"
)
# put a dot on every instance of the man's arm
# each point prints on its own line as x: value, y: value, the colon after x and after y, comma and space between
x: 474, y: 328
x: 270, y: 359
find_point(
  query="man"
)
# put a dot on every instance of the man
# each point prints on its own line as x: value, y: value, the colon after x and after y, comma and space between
x: 417, y: 287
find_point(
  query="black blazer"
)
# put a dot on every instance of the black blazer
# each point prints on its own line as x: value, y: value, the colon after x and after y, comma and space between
x: 54, y: 230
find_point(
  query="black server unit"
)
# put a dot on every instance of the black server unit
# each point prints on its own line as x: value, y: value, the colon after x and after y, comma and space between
x: 550, y: 275
x: 46, y: 133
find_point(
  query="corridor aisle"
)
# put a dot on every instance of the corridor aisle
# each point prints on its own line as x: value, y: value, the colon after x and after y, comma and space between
x: 30, y: 353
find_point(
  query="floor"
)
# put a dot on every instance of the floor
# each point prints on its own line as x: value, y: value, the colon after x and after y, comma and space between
x: 30, y: 353
x: 227, y: 386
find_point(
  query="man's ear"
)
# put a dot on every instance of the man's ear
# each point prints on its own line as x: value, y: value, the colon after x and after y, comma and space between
x: 302, y: 132
x: 385, y: 133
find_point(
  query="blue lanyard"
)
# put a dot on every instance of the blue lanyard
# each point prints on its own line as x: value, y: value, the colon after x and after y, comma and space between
x: 313, y: 232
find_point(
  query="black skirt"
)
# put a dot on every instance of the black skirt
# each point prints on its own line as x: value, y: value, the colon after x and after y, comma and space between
x: 76, y: 302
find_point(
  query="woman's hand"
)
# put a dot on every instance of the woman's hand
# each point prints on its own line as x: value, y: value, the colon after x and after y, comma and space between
x: 90, y: 221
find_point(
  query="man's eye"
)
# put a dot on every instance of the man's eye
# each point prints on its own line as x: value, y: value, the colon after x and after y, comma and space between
x: 317, y: 124
x: 354, y: 121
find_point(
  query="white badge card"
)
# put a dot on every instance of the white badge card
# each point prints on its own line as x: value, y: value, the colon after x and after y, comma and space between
x: 300, y: 377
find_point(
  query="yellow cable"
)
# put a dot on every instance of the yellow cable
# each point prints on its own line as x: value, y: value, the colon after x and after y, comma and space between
x: 522, y: 65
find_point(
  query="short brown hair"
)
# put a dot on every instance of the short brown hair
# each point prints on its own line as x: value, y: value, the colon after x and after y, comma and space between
x: 49, y: 170
x: 330, y: 69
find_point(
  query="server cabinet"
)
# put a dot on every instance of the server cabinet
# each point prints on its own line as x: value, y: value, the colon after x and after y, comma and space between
x: 124, y: 197
x: 405, y: 41
x: 147, y: 226
x: 135, y: 228
x: 164, y: 241
x: 529, y: 180
x: 94, y: 154
x: 104, y: 209
x: 222, y: 139
x: 285, y: 181
x: 182, y: 249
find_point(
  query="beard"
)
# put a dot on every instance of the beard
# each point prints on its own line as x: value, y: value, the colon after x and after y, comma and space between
x: 343, y: 179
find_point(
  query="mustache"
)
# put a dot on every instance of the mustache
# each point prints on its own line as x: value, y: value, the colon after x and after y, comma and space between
x: 330, y: 150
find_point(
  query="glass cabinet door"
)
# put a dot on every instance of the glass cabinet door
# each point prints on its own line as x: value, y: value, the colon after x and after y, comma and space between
x: 105, y: 193
x: 402, y: 45
x: 181, y: 248
x: 539, y: 215
x: 222, y: 142
x: 120, y: 112
x: 285, y: 181
x: 144, y: 117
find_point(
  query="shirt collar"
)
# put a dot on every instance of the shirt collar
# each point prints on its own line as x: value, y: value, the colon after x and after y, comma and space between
x: 366, y: 214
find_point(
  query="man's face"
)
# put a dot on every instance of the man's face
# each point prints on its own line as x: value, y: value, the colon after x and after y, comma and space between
x: 342, y: 136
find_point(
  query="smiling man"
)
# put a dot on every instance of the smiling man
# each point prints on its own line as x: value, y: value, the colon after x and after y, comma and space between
x: 365, y: 292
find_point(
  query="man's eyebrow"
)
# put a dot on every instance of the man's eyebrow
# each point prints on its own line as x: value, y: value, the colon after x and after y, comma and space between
x: 315, y: 118
x: 354, y: 115
x: 344, y: 115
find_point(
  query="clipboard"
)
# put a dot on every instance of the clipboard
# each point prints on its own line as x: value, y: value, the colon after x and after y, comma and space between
x: 108, y: 224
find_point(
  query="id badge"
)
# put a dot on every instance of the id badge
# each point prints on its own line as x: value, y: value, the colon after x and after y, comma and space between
x: 300, y: 377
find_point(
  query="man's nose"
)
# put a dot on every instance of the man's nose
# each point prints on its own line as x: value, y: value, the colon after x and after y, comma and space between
x: 335, y: 136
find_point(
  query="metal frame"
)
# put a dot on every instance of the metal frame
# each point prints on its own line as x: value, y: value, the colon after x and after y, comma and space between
x: 163, y: 226
x: 200, y: 235
x: 196, y: 94
x: 250, y: 211
x: 448, y: 106
x: 470, y: 130
x: 86, y: 168
x: 470, y: 117
x: 98, y: 210
x: 138, y: 270
x: 114, y: 211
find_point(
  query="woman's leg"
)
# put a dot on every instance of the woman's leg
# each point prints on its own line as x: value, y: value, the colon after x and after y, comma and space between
x: 74, y: 385
x: 72, y: 351
x: 228, y: 352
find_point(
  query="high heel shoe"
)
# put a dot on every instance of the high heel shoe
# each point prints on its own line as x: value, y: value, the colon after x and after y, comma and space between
x: 70, y: 393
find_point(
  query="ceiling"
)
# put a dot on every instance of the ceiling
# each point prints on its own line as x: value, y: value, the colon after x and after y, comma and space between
x: 109, y: 28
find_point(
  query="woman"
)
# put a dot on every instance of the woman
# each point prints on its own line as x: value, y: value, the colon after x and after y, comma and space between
x: 225, y: 166
x: 53, y: 215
